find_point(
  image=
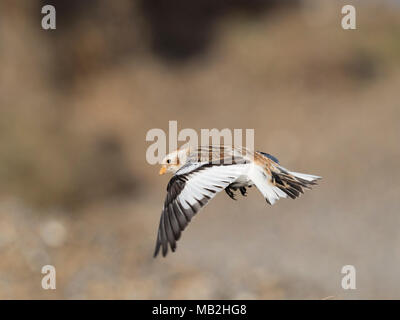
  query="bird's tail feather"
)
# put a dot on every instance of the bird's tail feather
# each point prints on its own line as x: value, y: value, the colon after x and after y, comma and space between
x: 277, y: 182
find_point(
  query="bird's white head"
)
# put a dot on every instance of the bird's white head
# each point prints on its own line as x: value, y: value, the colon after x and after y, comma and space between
x: 173, y: 161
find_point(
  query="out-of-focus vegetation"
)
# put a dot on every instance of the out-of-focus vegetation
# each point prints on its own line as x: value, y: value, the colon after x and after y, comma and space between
x: 76, y: 103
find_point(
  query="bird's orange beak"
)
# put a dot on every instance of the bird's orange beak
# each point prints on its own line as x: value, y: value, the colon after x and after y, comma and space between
x: 163, y: 170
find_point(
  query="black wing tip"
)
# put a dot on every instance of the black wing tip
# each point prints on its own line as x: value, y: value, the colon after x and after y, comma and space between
x: 157, y: 251
x: 164, y: 252
x: 157, y: 248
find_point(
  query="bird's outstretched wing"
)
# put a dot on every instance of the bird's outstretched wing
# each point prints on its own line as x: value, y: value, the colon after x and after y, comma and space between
x: 188, y: 191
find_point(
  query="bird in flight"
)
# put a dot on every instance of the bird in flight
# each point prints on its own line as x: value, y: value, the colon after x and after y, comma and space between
x: 201, y: 172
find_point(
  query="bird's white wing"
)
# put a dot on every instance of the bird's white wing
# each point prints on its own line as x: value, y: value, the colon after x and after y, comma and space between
x: 188, y: 191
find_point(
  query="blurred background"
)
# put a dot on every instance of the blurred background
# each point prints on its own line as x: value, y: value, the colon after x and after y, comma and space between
x: 76, y: 103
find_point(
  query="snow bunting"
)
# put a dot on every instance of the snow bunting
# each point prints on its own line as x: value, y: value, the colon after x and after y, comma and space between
x: 200, y: 173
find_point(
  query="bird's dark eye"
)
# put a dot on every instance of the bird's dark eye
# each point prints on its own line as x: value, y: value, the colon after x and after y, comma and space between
x: 168, y: 161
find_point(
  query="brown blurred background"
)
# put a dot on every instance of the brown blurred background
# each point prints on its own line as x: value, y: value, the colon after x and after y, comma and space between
x: 76, y: 191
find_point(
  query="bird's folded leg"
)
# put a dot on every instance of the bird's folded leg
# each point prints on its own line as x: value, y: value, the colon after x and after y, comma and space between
x: 230, y: 193
x: 243, y: 191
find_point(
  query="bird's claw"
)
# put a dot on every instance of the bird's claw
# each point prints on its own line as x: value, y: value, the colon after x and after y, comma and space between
x: 230, y: 193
